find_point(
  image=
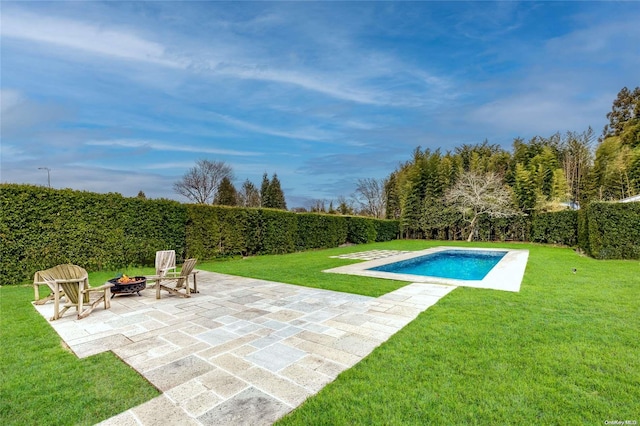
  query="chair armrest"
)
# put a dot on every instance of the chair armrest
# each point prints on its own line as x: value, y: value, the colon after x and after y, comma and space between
x: 69, y: 280
x: 101, y: 288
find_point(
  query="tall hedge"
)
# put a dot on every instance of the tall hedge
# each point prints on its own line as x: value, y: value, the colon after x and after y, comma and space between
x: 613, y: 230
x: 513, y: 228
x: 42, y: 227
x: 275, y: 231
x: 555, y: 228
x: 320, y: 231
x: 269, y: 231
x: 361, y: 230
x: 387, y: 230
x: 214, y: 231
x: 583, y: 231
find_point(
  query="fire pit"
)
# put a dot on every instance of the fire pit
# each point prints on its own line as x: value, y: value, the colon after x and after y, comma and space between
x: 127, y: 285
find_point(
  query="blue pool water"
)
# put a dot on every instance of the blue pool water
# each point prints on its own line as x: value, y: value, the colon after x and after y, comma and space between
x: 456, y: 264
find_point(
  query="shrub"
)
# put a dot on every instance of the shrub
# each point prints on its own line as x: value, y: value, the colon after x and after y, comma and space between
x: 556, y: 228
x: 361, y: 230
x: 613, y: 230
x: 42, y: 227
x: 387, y: 230
x: 513, y: 228
x: 320, y: 231
x: 277, y: 230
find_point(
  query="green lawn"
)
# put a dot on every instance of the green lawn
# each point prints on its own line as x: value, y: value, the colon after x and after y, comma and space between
x: 564, y: 350
x: 42, y: 383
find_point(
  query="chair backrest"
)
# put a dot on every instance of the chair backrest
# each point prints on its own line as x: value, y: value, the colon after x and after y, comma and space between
x: 187, y: 268
x: 59, y: 272
x: 71, y: 289
x: 165, y: 262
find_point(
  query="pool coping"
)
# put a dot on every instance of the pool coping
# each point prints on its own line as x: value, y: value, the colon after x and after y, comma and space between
x: 507, y: 275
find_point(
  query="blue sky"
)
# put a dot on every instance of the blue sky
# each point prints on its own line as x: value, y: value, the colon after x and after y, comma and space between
x: 126, y: 96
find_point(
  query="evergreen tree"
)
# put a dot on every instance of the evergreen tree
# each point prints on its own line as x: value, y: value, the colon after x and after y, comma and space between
x: 560, y: 191
x: 612, y: 173
x: 275, y: 194
x: 331, y: 209
x: 265, y: 196
x: 344, y: 206
x: 391, y: 193
x: 227, y: 194
x: 524, y: 189
x: 624, y: 118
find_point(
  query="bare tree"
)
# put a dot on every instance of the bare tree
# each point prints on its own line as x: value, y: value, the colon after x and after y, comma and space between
x: 475, y: 194
x: 200, y: 184
x: 370, y: 195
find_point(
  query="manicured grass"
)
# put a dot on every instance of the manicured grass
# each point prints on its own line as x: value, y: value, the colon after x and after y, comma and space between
x: 42, y: 383
x: 305, y: 268
x: 564, y: 350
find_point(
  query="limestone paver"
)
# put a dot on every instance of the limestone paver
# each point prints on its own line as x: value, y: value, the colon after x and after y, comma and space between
x: 242, y: 350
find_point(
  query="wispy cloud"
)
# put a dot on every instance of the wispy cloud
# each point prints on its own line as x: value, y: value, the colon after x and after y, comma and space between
x: 89, y: 37
x: 162, y: 146
x: 309, y: 133
x: 317, y: 92
x: 356, y: 80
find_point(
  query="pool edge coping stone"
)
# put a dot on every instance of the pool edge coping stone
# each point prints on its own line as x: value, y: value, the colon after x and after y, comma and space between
x: 506, y: 275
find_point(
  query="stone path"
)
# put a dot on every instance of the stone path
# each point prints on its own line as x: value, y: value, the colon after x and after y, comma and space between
x: 242, y: 351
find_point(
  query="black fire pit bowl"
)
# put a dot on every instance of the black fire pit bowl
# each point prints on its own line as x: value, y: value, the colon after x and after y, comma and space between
x: 136, y: 286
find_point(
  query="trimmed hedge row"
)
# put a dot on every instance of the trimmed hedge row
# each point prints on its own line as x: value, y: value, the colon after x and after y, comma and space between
x: 611, y: 230
x: 42, y: 227
x: 218, y: 231
x: 555, y: 228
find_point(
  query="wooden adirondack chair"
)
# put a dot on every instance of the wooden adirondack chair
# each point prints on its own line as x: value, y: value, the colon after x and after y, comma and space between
x: 60, y: 272
x: 180, y: 281
x: 165, y: 264
x: 77, y: 293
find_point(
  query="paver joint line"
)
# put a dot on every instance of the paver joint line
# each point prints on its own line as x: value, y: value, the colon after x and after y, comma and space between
x: 242, y: 350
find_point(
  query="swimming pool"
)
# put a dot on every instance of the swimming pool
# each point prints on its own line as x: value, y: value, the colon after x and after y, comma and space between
x: 456, y: 264
x: 506, y: 274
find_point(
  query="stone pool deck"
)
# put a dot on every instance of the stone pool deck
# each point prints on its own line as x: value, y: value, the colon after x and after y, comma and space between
x: 242, y: 351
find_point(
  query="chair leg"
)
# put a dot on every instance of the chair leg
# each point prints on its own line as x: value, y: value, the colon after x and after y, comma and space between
x: 56, y: 304
x: 80, y: 304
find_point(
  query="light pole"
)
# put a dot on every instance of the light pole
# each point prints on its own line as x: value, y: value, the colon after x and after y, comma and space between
x: 48, y: 174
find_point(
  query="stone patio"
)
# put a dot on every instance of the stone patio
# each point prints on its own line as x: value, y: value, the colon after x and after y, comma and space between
x: 242, y: 351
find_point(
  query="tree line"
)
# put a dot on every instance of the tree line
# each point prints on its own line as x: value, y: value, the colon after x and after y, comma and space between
x: 211, y: 182
x: 542, y: 174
